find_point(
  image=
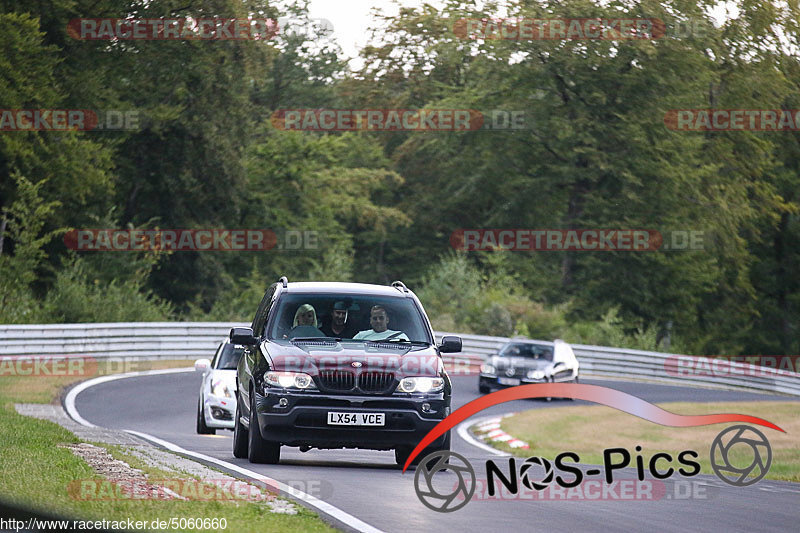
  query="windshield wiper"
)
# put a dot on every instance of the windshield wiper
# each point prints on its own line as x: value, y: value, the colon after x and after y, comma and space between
x: 336, y: 339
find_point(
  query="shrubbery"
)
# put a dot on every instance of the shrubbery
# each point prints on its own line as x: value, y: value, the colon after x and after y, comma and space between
x: 459, y: 299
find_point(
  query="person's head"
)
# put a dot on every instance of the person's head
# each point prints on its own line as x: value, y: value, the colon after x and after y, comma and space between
x: 378, y: 319
x: 339, y: 314
x: 305, y: 316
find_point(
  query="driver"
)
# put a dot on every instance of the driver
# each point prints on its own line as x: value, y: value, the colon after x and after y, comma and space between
x: 379, y: 320
x: 305, y: 323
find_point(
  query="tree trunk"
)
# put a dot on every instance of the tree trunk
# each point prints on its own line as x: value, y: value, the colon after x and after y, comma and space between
x: 783, y: 302
x: 3, y: 225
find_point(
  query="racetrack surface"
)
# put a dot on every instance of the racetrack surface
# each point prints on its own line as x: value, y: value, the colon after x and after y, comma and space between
x: 368, y: 485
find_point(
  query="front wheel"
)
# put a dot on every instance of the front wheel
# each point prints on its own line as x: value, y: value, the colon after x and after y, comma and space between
x: 483, y: 389
x: 259, y: 450
x: 239, y: 435
x: 201, y: 426
x: 575, y: 381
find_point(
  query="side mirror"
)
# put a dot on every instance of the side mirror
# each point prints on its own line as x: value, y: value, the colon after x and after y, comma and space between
x: 243, y: 336
x: 202, y: 364
x: 450, y: 344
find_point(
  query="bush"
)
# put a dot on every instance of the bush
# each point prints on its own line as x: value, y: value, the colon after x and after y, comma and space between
x: 458, y: 299
x: 77, y: 296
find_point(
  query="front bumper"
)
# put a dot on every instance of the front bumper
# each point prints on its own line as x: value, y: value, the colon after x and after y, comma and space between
x: 304, y: 421
x: 492, y: 381
x: 219, y: 412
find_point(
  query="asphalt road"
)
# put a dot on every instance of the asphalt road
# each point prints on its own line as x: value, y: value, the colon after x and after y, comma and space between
x: 368, y: 485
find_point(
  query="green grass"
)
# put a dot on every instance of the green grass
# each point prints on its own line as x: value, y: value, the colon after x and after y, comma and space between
x: 588, y: 430
x: 36, y: 473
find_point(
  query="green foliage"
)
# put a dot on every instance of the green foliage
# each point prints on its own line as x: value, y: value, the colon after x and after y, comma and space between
x: 77, y: 297
x: 595, y: 154
x: 458, y: 298
x: 22, y: 224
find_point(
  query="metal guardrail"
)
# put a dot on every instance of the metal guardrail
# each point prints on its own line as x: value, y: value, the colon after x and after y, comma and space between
x: 189, y: 340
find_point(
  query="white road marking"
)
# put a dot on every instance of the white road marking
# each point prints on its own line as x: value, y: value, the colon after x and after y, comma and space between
x: 463, y: 431
x: 69, y: 401
x: 324, y: 507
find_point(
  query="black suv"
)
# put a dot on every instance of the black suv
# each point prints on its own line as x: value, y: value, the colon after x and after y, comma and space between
x: 339, y: 365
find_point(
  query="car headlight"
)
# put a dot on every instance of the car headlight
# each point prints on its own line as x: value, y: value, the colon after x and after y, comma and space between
x: 535, y: 374
x: 421, y: 384
x: 290, y: 380
x: 487, y: 369
x: 219, y: 388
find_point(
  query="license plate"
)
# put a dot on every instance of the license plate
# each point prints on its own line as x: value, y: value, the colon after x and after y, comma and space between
x: 356, y: 419
x: 508, y: 381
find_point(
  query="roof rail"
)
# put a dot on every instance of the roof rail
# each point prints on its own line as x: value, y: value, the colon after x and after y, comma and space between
x: 284, y: 281
x: 399, y: 285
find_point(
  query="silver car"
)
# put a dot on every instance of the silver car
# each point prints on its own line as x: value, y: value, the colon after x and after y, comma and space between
x: 217, y: 403
x: 527, y: 361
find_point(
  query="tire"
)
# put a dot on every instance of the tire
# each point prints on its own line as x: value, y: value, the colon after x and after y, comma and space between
x: 201, y: 426
x: 239, y: 435
x: 260, y: 451
x: 483, y: 389
x: 575, y: 381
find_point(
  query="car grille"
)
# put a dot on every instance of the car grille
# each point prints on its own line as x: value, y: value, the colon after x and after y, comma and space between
x: 375, y: 381
x: 337, y: 380
x: 344, y: 381
x: 519, y: 372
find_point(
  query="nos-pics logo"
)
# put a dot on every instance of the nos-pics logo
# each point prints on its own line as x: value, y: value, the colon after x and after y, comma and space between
x: 661, y: 465
x: 537, y: 473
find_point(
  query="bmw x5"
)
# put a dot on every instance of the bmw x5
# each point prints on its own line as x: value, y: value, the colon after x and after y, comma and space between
x: 339, y: 365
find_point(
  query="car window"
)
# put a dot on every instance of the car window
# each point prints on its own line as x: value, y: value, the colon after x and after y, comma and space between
x: 531, y: 351
x: 302, y: 315
x: 259, y: 321
x: 216, y: 355
x: 229, y: 357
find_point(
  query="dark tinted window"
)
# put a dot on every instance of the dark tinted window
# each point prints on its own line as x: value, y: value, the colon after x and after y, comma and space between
x: 532, y: 351
x: 229, y: 357
x: 403, y: 315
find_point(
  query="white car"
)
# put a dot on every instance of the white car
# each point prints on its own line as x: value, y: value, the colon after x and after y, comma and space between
x: 523, y: 361
x: 217, y: 403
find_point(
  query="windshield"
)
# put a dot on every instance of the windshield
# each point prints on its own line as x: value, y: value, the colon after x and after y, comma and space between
x: 348, y: 316
x: 229, y: 358
x: 530, y: 351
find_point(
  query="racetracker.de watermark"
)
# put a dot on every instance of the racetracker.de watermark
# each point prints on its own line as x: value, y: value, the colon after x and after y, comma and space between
x: 68, y: 120
x: 733, y: 119
x: 45, y: 366
x: 74, y: 366
x: 172, y: 29
x: 595, y: 490
x: 181, y: 240
x: 330, y: 120
x: 565, y: 29
x: 222, y: 489
x: 408, y: 365
x: 535, y: 240
x: 724, y: 366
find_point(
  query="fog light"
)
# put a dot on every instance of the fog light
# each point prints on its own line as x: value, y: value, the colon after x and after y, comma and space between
x: 426, y: 408
x: 221, y: 414
x: 283, y: 402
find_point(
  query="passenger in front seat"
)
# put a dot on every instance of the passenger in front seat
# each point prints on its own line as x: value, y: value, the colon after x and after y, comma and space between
x: 379, y: 320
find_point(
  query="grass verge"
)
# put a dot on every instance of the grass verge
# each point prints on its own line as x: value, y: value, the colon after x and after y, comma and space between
x: 37, y: 473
